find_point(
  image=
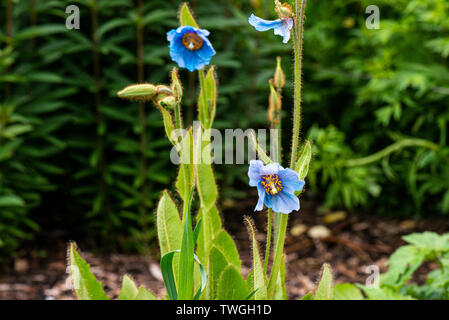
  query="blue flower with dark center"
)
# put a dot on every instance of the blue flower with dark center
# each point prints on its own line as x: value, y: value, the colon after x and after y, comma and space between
x: 190, y: 48
x: 281, y: 26
x: 276, y: 186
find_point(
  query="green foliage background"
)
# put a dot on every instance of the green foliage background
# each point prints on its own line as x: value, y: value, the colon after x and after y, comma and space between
x: 70, y: 150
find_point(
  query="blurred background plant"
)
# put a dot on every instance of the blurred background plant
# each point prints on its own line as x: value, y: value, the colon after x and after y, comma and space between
x: 71, y: 152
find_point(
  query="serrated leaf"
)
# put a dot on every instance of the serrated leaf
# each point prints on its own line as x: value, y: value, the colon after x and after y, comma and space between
x: 402, y: 264
x: 86, y: 286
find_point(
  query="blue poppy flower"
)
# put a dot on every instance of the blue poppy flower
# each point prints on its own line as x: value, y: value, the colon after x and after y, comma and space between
x: 281, y: 27
x: 276, y: 186
x: 190, y: 48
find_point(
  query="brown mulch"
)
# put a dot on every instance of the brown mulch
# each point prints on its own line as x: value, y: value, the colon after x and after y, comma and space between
x: 354, y: 243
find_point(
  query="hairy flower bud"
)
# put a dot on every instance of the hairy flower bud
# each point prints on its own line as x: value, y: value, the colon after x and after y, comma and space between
x: 176, y: 85
x: 161, y: 92
x: 140, y: 91
x: 279, y: 76
x: 274, y: 103
x: 283, y: 10
x: 275, y: 98
x: 168, y: 102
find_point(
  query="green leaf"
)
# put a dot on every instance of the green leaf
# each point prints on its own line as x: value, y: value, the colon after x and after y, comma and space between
x: 308, y: 296
x: 129, y: 289
x: 303, y: 163
x: 281, y: 291
x: 84, y: 282
x: 206, y: 186
x: 428, y: 240
x: 324, y: 291
x: 231, y: 285
x: 11, y: 201
x: 16, y: 130
x: 167, y: 275
x: 144, y: 294
x: 40, y: 31
x: 260, y: 151
x: 185, y: 174
x: 383, y: 294
x: 402, y: 264
x: 168, y: 124
x: 260, y: 283
x: 196, y: 232
x: 185, y: 16
x: 207, y: 101
x: 169, y: 226
x: 186, y: 261
x: 347, y: 291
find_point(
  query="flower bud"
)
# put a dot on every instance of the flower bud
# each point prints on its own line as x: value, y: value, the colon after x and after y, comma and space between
x: 176, y: 85
x: 140, y: 91
x: 161, y: 92
x: 279, y: 76
x: 283, y: 10
x: 168, y: 102
x: 275, y: 98
x: 274, y: 104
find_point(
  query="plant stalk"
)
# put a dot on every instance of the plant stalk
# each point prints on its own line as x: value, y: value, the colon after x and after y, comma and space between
x: 282, y: 226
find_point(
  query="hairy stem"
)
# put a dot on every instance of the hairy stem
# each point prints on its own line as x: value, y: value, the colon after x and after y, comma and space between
x: 283, y: 219
x: 297, y: 46
x: 279, y: 250
x: 268, y: 245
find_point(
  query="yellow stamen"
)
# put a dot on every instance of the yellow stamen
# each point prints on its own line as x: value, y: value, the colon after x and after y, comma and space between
x: 272, y: 184
x: 192, y: 41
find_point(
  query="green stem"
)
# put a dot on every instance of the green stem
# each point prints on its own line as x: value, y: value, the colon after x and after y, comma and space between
x: 203, y: 113
x: 282, y: 226
x: 278, y: 127
x: 297, y: 46
x: 279, y: 251
x: 186, y: 255
x: 268, y: 245
x: 178, y: 117
x: 390, y: 149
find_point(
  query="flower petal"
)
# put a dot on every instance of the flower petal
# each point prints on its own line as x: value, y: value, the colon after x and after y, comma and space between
x: 254, y: 172
x: 264, y: 25
x: 192, y: 60
x: 290, y: 180
x: 260, y: 202
x: 285, y: 202
x: 271, y: 168
x: 284, y: 30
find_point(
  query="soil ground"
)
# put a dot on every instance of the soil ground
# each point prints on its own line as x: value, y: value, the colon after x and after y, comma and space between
x: 353, y: 243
